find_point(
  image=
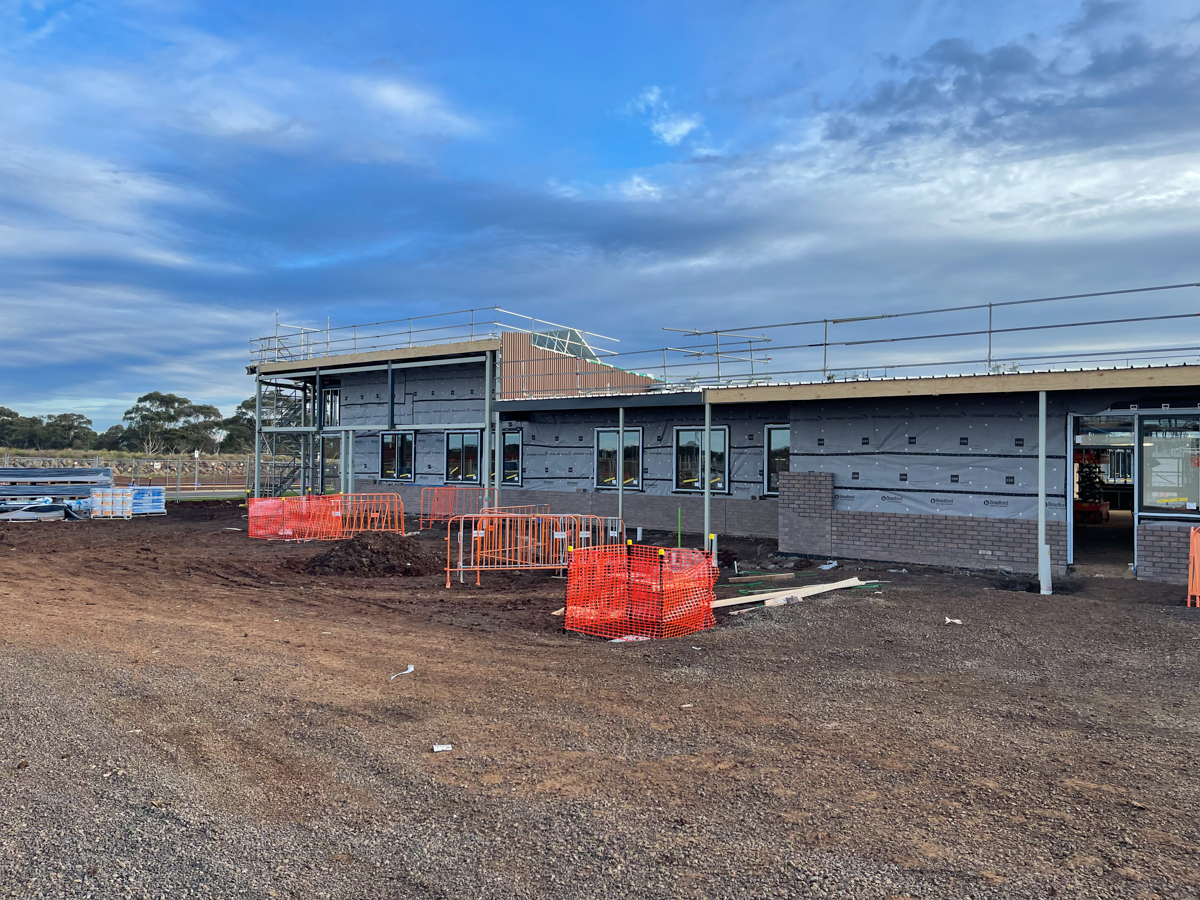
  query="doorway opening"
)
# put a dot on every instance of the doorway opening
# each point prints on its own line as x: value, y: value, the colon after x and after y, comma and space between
x: 330, y: 465
x: 1103, y: 497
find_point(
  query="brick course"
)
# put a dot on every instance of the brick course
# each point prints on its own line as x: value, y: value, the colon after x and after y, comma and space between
x: 1163, y: 551
x: 809, y: 524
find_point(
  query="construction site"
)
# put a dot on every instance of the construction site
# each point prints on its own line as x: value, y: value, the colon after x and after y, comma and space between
x: 506, y: 612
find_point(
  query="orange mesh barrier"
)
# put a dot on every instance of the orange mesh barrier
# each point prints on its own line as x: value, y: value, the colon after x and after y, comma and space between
x: 507, y: 542
x: 372, y: 512
x: 1194, y: 569
x: 639, y: 591
x: 316, y: 518
x: 441, y: 504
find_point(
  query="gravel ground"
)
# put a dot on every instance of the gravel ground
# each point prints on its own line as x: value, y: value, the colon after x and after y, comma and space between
x: 187, y: 713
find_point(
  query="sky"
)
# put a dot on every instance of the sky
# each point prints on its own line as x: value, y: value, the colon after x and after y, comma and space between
x: 173, y: 174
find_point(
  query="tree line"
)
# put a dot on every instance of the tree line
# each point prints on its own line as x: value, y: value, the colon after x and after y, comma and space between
x: 156, y: 424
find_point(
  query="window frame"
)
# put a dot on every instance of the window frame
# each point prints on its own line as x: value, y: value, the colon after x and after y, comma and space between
x: 331, y: 407
x: 412, y: 443
x: 641, y: 456
x: 446, y: 479
x: 1143, y: 480
x: 767, y: 429
x: 520, y: 457
x: 675, y: 489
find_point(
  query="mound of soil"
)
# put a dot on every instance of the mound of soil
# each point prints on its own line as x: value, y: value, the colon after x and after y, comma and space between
x: 375, y: 555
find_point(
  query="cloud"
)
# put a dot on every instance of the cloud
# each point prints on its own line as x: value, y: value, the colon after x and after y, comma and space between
x: 669, y: 127
x: 1097, y: 13
x: 638, y: 188
x: 672, y: 129
x: 418, y: 108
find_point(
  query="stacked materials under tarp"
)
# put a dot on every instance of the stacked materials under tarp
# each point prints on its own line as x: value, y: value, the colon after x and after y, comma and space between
x: 39, y: 494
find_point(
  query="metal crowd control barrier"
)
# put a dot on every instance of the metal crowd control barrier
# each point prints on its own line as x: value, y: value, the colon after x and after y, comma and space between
x: 488, y: 542
x: 372, y: 512
x: 330, y: 517
x: 441, y: 504
x: 537, y: 509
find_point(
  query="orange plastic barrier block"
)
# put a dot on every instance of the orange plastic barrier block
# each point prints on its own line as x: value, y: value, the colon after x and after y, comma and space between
x: 632, y: 590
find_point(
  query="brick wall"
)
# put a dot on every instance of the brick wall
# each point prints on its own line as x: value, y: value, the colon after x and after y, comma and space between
x: 806, y: 513
x: 1163, y: 551
x: 809, y: 524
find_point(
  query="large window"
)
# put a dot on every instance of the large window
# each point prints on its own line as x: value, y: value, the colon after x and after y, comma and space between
x: 607, y: 453
x: 396, y: 456
x: 512, y: 457
x: 462, y: 456
x: 1171, y: 464
x: 689, y: 458
x: 778, y: 450
x: 332, y: 413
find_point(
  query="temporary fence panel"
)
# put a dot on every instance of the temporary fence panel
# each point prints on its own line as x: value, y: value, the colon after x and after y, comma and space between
x: 372, y: 512
x: 441, y: 504
x: 639, y: 591
x: 490, y: 542
x: 316, y: 518
x: 537, y: 509
x: 1194, y: 569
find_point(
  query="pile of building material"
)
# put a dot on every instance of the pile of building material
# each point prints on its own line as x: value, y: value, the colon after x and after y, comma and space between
x: 40, y: 494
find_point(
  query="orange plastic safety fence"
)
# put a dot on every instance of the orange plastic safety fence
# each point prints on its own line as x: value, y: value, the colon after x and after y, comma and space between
x: 372, y: 512
x: 491, y: 542
x: 317, y: 518
x: 441, y: 504
x: 1194, y: 569
x: 640, y: 591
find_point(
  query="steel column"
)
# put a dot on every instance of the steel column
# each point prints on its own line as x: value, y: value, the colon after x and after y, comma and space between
x: 486, y: 450
x: 706, y: 473
x: 257, y: 435
x: 391, y: 389
x: 621, y: 463
x: 1043, y: 550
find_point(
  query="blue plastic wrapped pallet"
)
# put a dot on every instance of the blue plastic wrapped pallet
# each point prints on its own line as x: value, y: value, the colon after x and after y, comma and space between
x: 149, y: 501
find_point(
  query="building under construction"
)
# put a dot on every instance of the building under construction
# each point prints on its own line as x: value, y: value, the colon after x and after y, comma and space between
x: 910, y: 462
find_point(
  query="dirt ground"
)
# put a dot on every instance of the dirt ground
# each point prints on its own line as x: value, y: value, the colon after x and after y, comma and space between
x: 185, y: 712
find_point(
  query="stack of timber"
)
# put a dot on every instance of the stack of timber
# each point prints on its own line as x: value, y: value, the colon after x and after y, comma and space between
x: 39, y: 494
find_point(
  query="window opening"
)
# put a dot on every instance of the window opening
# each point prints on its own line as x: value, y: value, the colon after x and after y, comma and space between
x: 1170, y: 464
x: 606, y: 458
x: 512, y: 457
x: 333, y: 407
x: 779, y: 446
x: 396, y: 456
x: 462, y: 456
x: 689, y: 456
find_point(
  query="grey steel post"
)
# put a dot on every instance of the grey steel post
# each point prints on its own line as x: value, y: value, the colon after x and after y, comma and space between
x: 179, y: 477
x: 1043, y: 549
x: 499, y: 467
x: 706, y: 474
x: 257, y: 436
x: 391, y: 396
x: 621, y: 464
x: 485, y: 451
x: 350, y: 462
